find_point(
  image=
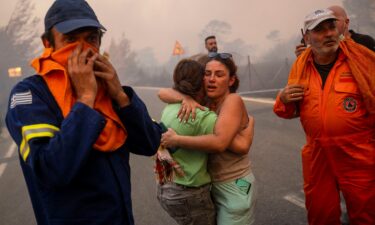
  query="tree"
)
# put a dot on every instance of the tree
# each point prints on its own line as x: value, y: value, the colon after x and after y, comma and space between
x: 274, y: 35
x: 21, y: 28
x: 9, y: 58
x: 17, y: 45
x: 216, y: 27
x: 239, y: 49
x: 124, y: 60
x: 362, y: 15
x: 147, y: 58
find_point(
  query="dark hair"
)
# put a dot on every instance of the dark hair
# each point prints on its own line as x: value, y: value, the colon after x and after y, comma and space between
x: 47, y: 35
x: 201, y: 58
x: 188, y: 77
x: 209, y: 37
x: 232, y: 68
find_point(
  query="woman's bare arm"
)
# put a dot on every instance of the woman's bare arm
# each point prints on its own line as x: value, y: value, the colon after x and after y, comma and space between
x: 227, y: 126
x: 188, y: 104
x: 243, y: 140
x: 170, y: 95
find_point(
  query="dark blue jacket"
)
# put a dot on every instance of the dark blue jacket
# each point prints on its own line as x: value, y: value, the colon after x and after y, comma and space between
x: 69, y: 182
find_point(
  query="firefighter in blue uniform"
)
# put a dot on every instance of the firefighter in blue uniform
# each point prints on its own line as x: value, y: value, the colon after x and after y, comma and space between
x: 75, y: 125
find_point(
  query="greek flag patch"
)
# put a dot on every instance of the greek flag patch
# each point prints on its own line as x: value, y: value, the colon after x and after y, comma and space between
x: 23, y: 98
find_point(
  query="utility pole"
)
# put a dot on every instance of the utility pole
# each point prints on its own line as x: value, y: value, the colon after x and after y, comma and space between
x: 249, y: 70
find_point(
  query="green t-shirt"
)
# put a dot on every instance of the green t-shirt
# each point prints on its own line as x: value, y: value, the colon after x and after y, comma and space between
x: 194, y: 163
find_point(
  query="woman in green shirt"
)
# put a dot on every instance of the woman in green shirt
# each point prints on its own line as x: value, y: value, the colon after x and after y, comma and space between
x: 187, y: 198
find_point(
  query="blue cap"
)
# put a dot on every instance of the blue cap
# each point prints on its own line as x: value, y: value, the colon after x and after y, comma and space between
x: 69, y: 15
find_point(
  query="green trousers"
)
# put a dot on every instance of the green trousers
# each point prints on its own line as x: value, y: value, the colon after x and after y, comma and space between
x: 235, y: 201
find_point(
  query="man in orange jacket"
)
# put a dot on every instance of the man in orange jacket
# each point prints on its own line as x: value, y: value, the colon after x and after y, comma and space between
x: 331, y: 87
x: 343, y: 27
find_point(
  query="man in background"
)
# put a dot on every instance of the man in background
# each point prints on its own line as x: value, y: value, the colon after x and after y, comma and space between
x: 211, y: 44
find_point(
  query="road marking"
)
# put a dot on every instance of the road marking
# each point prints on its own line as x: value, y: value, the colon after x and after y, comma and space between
x: 260, y: 91
x: 148, y: 88
x: 295, y: 200
x: 261, y: 100
x: 11, y: 150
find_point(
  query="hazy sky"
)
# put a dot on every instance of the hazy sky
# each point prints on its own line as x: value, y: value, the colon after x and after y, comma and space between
x: 159, y: 23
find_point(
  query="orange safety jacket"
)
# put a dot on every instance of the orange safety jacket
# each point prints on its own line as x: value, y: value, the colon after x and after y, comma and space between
x: 346, y: 105
x: 336, y: 110
x: 339, y: 123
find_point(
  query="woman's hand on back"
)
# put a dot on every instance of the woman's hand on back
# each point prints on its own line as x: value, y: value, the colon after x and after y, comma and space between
x: 188, y: 106
x: 169, y: 139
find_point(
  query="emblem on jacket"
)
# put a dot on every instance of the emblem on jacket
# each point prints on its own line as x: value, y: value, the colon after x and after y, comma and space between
x: 350, y: 104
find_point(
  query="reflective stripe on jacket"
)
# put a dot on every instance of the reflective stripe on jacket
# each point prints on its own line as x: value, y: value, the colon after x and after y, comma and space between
x: 69, y: 182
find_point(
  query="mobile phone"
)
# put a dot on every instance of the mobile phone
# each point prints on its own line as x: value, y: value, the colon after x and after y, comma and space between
x: 243, y: 185
x: 303, y: 40
x: 163, y: 130
x: 163, y: 127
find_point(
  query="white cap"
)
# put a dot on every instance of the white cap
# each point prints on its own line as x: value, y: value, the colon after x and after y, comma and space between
x: 313, y: 19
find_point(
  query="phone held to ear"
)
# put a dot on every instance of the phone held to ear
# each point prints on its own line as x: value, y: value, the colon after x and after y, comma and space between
x: 303, y: 39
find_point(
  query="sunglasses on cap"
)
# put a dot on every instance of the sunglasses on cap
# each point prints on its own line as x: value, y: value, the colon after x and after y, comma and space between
x: 220, y: 55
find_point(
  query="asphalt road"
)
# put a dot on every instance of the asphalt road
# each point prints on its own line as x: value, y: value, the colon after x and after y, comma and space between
x: 275, y: 156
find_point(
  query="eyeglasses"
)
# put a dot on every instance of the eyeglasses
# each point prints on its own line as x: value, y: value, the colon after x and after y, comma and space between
x: 220, y: 55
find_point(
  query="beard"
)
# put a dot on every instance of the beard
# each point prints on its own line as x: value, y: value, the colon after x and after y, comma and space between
x: 213, y: 49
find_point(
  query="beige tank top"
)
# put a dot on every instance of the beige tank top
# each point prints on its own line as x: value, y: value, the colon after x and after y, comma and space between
x: 228, y: 166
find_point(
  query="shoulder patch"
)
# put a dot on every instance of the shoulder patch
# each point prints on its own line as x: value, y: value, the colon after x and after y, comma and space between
x: 21, y: 98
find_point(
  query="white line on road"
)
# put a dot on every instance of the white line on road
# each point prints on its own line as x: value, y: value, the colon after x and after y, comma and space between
x: 267, y: 101
x: 260, y: 91
x: 11, y: 150
x: 260, y: 100
x: 295, y: 200
x: 148, y: 88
